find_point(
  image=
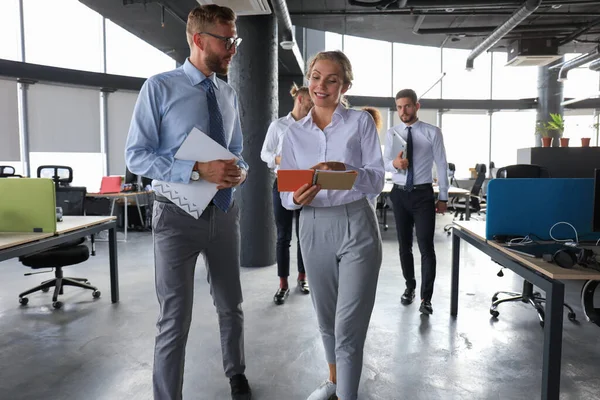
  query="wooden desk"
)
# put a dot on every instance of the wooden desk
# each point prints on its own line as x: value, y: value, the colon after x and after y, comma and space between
x: 540, y: 273
x: 125, y: 196
x: 16, y: 244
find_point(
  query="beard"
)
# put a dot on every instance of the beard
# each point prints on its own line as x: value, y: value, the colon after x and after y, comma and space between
x: 407, y: 118
x: 217, y: 64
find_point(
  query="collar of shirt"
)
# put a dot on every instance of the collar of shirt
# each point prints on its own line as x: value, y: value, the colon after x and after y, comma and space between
x: 340, y: 112
x: 290, y: 117
x: 196, y: 76
x: 415, y: 125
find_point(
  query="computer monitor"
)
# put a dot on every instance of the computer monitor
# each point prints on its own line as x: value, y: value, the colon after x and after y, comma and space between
x: 596, y: 212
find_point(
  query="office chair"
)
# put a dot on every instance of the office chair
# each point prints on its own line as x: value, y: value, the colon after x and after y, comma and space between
x: 476, y: 203
x: 527, y: 295
x: 60, y: 174
x: 7, y: 171
x: 71, y: 199
x: 451, y: 175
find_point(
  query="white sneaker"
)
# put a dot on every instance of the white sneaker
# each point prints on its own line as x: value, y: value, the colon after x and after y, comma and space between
x: 324, y: 392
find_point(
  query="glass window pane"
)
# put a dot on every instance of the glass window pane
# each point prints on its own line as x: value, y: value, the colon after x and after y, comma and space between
x: 63, y: 34
x: 333, y: 41
x: 9, y: 30
x: 126, y: 54
x: 511, y: 130
x: 512, y: 82
x: 579, y: 124
x: 467, y: 140
x: 462, y: 84
x: 581, y: 82
x: 367, y: 81
x: 87, y: 167
x: 417, y: 68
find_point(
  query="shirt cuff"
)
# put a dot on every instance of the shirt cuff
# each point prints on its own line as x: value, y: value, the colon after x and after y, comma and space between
x: 181, y: 171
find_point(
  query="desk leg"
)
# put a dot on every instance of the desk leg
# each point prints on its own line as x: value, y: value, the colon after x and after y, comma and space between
x: 137, y: 202
x: 126, y: 218
x: 467, y: 208
x: 114, y: 267
x: 553, y: 328
x: 455, y: 272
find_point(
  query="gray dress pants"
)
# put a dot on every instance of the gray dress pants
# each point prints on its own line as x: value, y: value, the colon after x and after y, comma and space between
x: 178, y: 240
x: 341, y: 246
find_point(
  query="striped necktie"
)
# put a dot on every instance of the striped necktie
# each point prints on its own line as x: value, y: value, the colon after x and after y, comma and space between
x: 223, y: 197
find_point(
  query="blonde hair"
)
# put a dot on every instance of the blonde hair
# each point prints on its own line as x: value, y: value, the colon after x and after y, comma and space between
x: 296, y: 90
x: 376, y: 116
x: 203, y: 18
x: 340, y: 58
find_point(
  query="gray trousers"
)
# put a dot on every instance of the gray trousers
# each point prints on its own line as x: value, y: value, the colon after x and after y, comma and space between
x: 342, y: 256
x: 178, y: 240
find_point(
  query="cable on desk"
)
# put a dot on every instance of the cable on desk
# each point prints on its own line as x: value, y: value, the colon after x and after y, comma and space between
x: 564, y: 240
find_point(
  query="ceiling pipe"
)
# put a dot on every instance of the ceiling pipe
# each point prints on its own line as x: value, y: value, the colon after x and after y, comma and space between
x: 579, y: 32
x: 577, y: 62
x: 285, y: 23
x: 595, y: 66
x: 518, y: 17
x: 488, y: 29
x: 484, y: 4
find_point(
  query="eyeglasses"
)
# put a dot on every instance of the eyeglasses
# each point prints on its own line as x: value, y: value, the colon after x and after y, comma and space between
x: 229, y: 41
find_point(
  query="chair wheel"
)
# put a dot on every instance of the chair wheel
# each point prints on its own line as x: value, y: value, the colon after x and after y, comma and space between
x: 572, y: 316
x: 23, y: 301
x: 494, y: 313
x: 45, y: 290
x: 96, y: 294
x: 57, y: 304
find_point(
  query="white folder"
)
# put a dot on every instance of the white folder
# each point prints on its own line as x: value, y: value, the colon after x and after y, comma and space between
x: 195, y: 196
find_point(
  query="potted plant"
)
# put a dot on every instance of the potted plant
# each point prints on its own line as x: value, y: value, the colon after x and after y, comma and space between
x: 557, y: 124
x: 542, y: 130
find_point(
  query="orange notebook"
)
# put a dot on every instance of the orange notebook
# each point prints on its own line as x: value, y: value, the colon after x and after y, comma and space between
x: 290, y: 180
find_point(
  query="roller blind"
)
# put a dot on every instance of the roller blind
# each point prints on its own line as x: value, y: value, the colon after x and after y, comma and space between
x: 9, y: 122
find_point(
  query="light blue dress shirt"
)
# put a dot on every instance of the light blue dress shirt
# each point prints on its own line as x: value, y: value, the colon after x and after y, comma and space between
x: 168, y: 107
x: 428, y: 147
x: 350, y: 138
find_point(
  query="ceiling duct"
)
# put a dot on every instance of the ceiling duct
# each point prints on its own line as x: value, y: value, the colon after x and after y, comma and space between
x: 242, y: 7
x: 595, y: 66
x: 577, y: 62
x: 284, y: 22
x: 519, y: 16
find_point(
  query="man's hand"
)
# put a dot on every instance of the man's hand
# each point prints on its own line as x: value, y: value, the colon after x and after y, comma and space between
x: 224, y: 173
x: 399, y: 162
x: 278, y: 160
x: 330, y: 165
x: 441, y: 207
x: 305, y: 194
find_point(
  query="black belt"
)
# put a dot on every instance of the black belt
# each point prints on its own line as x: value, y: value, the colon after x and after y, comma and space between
x: 163, y: 199
x: 421, y: 186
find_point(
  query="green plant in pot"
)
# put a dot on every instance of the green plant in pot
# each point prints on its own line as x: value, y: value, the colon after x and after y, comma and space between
x: 542, y: 130
x: 557, y: 125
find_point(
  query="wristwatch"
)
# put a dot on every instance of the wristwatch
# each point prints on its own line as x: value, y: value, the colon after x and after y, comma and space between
x: 195, y: 175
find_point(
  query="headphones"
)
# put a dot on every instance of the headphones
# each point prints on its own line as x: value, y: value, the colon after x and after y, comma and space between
x: 569, y: 256
x: 587, y: 302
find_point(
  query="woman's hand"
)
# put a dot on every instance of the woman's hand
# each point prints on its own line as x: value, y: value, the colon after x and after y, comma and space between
x: 305, y: 194
x: 330, y: 165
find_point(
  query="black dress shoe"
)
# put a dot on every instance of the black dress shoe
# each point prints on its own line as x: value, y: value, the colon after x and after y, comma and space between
x: 426, y: 307
x: 281, y: 295
x: 240, y: 390
x: 303, y: 286
x: 408, y: 297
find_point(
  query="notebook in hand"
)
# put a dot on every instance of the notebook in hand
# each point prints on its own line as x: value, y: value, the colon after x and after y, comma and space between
x: 291, y: 180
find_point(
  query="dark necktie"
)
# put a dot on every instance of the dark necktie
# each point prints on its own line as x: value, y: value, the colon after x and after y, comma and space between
x: 223, y: 197
x: 409, y: 149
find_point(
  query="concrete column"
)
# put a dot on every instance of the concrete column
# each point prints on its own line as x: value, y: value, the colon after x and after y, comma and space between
x: 550, y: 95
x: 253, y: 75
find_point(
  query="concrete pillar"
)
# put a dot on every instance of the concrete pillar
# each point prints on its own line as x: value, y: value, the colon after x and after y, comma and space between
x: 253, y: 75
x: 550, y: 95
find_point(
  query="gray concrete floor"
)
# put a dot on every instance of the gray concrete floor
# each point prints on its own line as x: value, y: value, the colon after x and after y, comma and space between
x: 92, y: 349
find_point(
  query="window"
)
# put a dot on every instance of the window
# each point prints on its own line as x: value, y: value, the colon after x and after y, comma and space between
x: 511, y: 130
x: 581, y: 82
x: 371, y: 64
x: 10, y: 48
x: 334, y: 41
x: 126, y: 54
x: 63, y: 34
x: 462, y: 84
x: 512, y: 82
x: 417, y: 68
x: 87, y: 167
x: 579, y: 124
x: 467, y: 140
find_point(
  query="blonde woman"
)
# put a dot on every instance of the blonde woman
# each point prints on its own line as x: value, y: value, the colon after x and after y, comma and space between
x: 284, y: 218
x: 339, y: 234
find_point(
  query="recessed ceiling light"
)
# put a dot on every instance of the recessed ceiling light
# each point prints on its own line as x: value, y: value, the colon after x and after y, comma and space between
x: 449, y: 10
x: 556, y: 6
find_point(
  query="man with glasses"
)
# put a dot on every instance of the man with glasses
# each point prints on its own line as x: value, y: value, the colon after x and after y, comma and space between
x: 168, y: 107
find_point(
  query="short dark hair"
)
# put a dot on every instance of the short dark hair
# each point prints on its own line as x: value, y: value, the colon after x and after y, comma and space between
x: 407, y: 93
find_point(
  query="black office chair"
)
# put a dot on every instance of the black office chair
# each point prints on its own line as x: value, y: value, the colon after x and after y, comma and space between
x: 7, y: 171
x: 476, y: 202
x: 527, y: 295
x: 451, y: 175
x: 71, y: 199
x: 62, y: 175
